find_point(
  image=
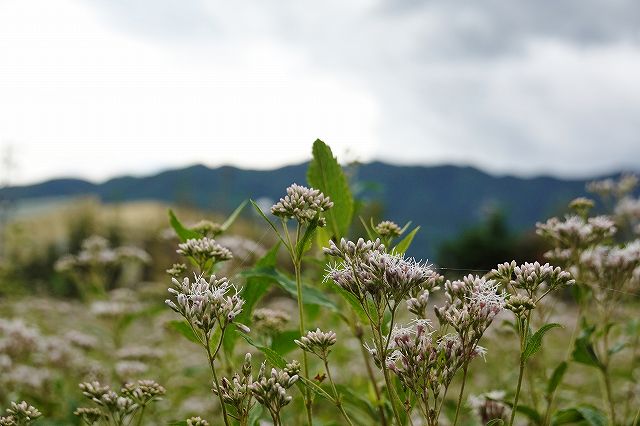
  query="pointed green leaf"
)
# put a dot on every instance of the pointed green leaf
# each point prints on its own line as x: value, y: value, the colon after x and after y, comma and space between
x: 183, y: 233
x: 252, y: 292
x: 367, y: 229
x: 283, y: 343
x: 261, y: 213
x: 183, y: 327
x: 352, y: 301
x: 310, y: 295
x: 556, y: 377
x: 324, y: 173
x: 583, y: 351
x: 404, y: 244
x: 534, y: 342
x: 581, y: 414
x: 227, y: 223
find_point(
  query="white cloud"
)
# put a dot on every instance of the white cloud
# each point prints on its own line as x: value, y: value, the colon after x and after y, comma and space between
x: 102, y: 87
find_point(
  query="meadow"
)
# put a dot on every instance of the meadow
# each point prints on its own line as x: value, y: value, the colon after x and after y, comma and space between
x: 307, y: 312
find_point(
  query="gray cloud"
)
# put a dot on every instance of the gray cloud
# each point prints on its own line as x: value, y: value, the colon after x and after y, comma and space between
x: 523, y: 87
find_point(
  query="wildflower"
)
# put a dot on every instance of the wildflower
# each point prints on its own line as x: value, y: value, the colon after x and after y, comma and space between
x: 90, y: 415
x: 531, y: 277
x: 206, y: 303
x: 302, y: 204
x: 367, y: 270
x: 520, y: 305
x: 490, y: 406
x: 317, y: 342
x: 575, y: 231
x: 271, y: 390
x: 143, y: 391
x: 177, y: 269
x: 609, y: 188
x: 581, y: 205
x: 471, y: 306
x: 388, y: 229
x: 197, y: 421
x: 204, y: 250
x: 207, y: 228
x: 270, y: 321
x: 20, y: 414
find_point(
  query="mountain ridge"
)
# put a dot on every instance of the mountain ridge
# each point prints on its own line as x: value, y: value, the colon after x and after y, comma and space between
x: 442, y: 199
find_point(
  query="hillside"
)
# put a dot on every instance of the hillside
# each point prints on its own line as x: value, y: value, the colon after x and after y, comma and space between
x: 442, y: 199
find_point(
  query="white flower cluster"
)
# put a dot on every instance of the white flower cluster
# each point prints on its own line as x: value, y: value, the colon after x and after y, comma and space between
x: 271, y: 390
x: 20, y: 414
x: 30, y: 360
x: 204, y: 250
x: 96, y: 251
x: 577, y: 232
x: 471, y: 305
x: 367, y: 270
x: 118, y: 408
x: 206, y: 303
x: 388, y: 229
x: 302, y: 204
x: 317, y: 342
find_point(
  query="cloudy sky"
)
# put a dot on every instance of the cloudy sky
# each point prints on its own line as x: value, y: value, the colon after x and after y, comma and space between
x: 98, y: 88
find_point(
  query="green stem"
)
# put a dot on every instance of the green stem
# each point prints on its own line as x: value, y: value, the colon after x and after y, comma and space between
x: 217, y: 383
x: 139, y: 422
x: 305, y: 366
x: 372, y: 378
x: 335, y: 393
x: 608, y: 394
x: 385, y: 372
x: 464, y: 381
x: 523, y: 338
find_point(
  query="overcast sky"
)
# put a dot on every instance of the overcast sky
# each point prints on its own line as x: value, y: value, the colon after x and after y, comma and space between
x: 98, y: 88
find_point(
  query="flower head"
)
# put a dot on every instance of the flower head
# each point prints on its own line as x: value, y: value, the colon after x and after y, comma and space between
x: 302, y: 204
x: 206, y: 303
x: 317, y: 342
x: 203, y: 250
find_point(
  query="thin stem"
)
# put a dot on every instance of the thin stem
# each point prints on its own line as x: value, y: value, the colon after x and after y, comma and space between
x: 372, y: 378
x: 305, y: 367
x: 572, y: 343
x: 335, y: 393
x: 636, y: 420
x: 385, y: 371
x: 139, y: 422
x: 216, y: 382
x: 464, y: 381
x: 523, y: 338
x: 608, y: 394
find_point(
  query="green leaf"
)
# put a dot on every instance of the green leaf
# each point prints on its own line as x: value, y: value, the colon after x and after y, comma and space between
x: 255, y: 414
x: 310, y: 295
x: 305, y: 242
x: 583, y: 351
x: 404, y: 244
x: 556, y: 377
x: 283, y: 342
x: 534, y: 342
x: 183, y: 327
x: 227, y: 223
x: 183, y: 233
x: 355, y: 402
x: 495, y: 422
x: 272, y: 356
x: 261, y: 213
x: 252, y: 292
x: 368, y: 230
x: 581, y: 413
x: 324, y: 173
x: 352, y: 301
x: 530, y: 412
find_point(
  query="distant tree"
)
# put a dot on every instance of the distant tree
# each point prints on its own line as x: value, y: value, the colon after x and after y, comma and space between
x: 485, y: 245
